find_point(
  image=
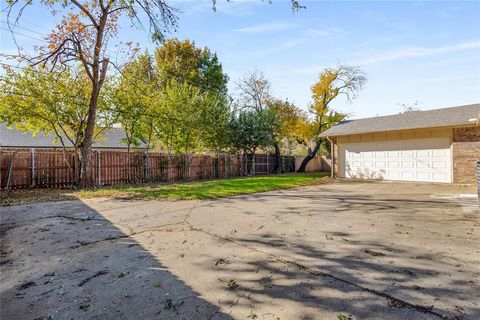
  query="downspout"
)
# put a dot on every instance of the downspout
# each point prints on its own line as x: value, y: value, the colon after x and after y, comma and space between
x: 332, y: 153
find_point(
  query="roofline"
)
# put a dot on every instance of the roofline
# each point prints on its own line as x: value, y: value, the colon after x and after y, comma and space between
x: 468, y: 124
x: 428, y: 110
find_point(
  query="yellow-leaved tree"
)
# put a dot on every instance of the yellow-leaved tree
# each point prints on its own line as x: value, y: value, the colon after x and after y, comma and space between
x: 341, y: 80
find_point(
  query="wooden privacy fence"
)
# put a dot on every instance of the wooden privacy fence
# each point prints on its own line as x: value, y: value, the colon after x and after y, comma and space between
x: 317, y: 164
x: 52, y: 168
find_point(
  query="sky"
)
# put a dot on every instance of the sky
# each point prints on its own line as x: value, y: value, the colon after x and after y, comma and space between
x: 412, y: 51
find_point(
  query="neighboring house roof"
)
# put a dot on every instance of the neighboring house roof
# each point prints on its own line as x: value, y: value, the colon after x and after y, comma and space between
x: 455, y: 116
x: 112, y: 138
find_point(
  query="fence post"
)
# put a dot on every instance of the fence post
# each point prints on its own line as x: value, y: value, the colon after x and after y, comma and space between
x: 99, y: 175
x: 225, y: 165
x: 147, y: 173
x: 254, y: 165
x: 189, y: 166
x: 32, y: 152
x: 267, y: 165
x: 168, y: 167
x: 245, y: 169
x: 10, y: 169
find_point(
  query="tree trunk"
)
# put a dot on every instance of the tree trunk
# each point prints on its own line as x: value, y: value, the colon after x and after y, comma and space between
x: 309, y: 157
x: 86, y: 172
x: 85, y: 164
x: 276, y: 165
x: 97, y: 74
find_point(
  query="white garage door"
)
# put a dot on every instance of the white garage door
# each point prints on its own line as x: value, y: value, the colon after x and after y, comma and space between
x: 410, y: 160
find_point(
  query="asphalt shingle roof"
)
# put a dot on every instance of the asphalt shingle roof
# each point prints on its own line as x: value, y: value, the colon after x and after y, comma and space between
x: 12, y: 138
x: 462, y: 115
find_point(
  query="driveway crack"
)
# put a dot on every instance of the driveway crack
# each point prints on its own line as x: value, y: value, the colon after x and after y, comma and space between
x: 392, y: 301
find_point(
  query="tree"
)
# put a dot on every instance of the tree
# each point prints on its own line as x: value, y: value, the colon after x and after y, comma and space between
x: 81, y: 37
x: 215, y: 123
x: 182, y: 69
x: 183, y: 61
x: 183, y: 104
x: 132, y: 96
x: 292, y: 123
x: 342, y: 80
x: 252, y: 130
x: 254, y: 91
x: 414, y: 107
x: 52, y: 102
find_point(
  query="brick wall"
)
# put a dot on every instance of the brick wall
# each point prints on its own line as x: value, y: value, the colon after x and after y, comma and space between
x: 466, y: 153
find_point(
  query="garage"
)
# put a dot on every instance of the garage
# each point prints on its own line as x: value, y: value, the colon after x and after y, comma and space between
x: 426, y: 160
x: 440, y: 146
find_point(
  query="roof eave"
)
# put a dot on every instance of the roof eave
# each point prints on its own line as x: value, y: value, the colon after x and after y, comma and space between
x: 463, y: 124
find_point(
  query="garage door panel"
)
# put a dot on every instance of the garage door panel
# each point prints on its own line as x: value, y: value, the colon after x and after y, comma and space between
x: 438, y: 176
x: 422, y: 165
x: 413, y: 160
x: 439, y: 153
x: 408, y: 175
x: 393, y: 164
x: 423, y: 153
x: 422, y: 176
x: 407, y: 164
x: 392, y: 175
x: 439, y: 164
x: 380, y: 164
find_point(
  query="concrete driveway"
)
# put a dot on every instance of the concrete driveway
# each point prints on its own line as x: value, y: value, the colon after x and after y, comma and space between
x: 347, y: 249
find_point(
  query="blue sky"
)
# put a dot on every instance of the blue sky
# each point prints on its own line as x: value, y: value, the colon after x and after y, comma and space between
x: 423, y: 50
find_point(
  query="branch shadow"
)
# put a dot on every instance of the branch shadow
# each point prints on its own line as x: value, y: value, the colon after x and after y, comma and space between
x: 66, y: 261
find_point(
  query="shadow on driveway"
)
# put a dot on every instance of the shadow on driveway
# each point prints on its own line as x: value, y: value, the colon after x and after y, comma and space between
x: 65, y: 261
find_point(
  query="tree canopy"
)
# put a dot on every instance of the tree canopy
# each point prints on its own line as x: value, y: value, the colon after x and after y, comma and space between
x: 342, y: 80
x: 81, y: 39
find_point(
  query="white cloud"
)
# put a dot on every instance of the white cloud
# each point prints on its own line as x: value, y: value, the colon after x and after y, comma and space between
x: 267, y: 27
x: 309, y: 35
x: 415, y: 52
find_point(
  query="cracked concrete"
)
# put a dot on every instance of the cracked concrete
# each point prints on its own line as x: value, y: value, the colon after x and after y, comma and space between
x: 370, y: 250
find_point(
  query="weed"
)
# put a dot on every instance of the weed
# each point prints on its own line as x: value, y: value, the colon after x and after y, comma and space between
x: 232, y: 284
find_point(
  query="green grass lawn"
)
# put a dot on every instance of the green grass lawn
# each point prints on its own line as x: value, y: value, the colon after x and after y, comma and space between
x: 206, y: 189
x: 177, y: 191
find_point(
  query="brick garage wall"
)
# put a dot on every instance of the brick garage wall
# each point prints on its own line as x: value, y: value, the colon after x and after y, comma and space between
x: 466, y: 153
